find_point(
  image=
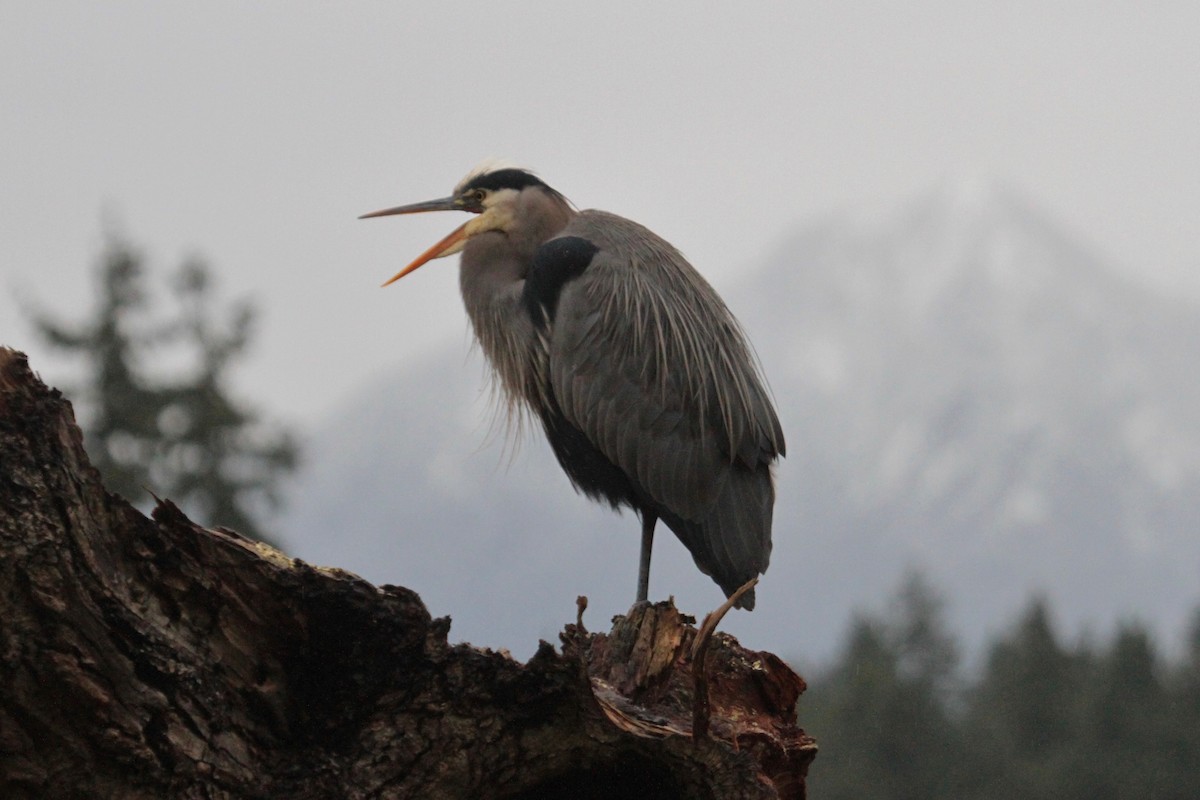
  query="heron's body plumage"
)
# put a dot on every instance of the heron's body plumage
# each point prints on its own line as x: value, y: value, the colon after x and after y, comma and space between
x: 640, y: 377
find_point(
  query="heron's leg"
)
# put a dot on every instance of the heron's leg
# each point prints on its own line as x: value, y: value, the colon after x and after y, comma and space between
x: 649, y: 518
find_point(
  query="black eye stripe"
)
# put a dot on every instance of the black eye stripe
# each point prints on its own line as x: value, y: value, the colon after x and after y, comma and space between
x: 503, y: 179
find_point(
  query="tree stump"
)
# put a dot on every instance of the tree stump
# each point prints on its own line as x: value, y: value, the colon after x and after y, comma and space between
x: 152, y: 657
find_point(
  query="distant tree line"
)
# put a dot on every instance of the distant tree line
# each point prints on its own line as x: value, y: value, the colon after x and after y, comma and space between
x: 896, y: 719
x: 154, y: 402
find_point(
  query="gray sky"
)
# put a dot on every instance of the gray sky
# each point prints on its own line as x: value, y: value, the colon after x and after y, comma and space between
x: 254, y: 134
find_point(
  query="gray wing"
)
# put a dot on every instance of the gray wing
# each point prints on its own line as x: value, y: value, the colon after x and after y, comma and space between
x: 646, y: 360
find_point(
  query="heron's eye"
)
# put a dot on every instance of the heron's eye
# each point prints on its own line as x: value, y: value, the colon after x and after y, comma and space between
x: 478, y: 195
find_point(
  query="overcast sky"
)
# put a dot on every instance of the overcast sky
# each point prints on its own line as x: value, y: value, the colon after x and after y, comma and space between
x: 254, y: 134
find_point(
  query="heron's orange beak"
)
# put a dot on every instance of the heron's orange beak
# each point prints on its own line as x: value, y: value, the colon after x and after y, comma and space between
x: 448, y: 246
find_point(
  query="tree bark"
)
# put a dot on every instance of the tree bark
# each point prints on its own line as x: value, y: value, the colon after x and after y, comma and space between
x: 152, y: 657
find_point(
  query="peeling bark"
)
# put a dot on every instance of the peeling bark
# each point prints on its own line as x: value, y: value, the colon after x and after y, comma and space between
x: 150, y: 658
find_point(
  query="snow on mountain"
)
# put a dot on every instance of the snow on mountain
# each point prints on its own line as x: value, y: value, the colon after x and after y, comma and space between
x: 965, y: 389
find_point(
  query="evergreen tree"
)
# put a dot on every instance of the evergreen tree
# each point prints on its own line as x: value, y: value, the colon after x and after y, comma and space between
x: 1183, y: 741
x: 182, y: 438
x: 1022, y: 714
x: 217, y: 457
x: 881, y: 713
x: 121, y: 429
x: 1121, y: 747
x: 928, y: 654
x: 848, y: 709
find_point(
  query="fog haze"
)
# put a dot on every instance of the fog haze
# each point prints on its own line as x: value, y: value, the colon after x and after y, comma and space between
x: 254, y: 134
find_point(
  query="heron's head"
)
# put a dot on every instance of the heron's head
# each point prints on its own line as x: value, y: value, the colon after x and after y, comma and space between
x: 493, y: 192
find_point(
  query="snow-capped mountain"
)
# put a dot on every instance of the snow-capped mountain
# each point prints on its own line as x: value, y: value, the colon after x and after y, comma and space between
x: 989, y: 401
x: 965, y: 389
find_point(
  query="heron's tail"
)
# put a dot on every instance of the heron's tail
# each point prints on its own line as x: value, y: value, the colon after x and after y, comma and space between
x: 733, y: 543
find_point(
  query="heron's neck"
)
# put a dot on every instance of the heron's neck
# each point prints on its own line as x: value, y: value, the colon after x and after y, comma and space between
x: 540, y: 216
x: 492, y: 276
x: 493, y: 259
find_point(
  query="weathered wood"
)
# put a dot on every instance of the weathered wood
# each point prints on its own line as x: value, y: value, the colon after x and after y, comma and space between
x: 157, y: 658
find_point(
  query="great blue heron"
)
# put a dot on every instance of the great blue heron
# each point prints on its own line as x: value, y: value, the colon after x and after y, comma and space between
x: 640, y: 375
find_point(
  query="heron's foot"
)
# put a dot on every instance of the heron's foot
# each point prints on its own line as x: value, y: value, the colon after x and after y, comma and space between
x: 639, y: 605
